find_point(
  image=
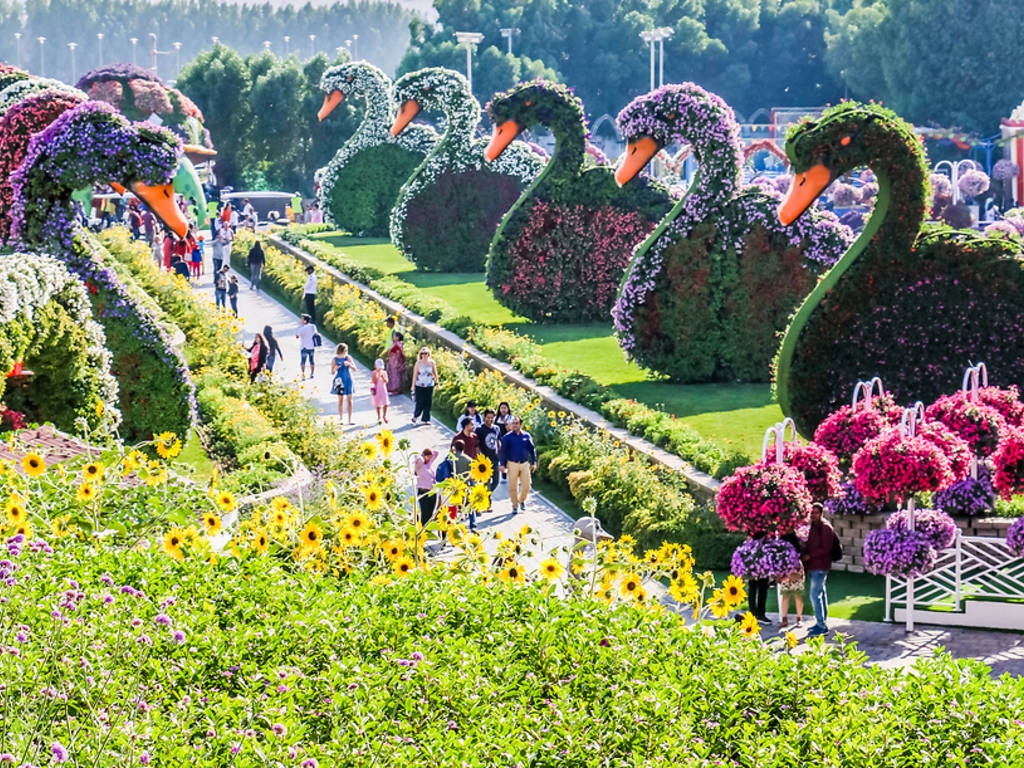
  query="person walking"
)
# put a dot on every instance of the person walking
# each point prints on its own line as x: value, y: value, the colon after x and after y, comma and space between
x: 470, y: 414
x: 503, y: 416
x: 463, y: 464
x: 467, y: 436
x: 424, y: 470
x: 197, y: 257
x: 305, y: 336
x: 396, y: 364
x: 273, y: 347
x: 488, y: 437
x: 256, y: 259
x: 517, y: 457
x: 233, y: 294
x: 309, y: 293
x: 379, y: 390
x: 225, y: 237
x: 220, y: 287
x: 342, y: 366
x: 817, y: 560
x: 424, y: 379
x: 257, y: 356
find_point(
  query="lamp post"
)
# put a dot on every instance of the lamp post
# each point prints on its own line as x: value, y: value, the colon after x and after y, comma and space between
x: 355, y: 46
x: 99, y: 49
x: 135, y: 44
x: 312, y: 46
x: 42, y: 60
x: 266, y: 46
x: 177, y: 58
x: 508, y: 33
x: 659, y: 36
x: 71, y: 48
x: 17, y: 45
x: 287, y: 50
x: 469, y: 39
x: 648, y: 37
x: 215, y: 40
x: 153, y: 51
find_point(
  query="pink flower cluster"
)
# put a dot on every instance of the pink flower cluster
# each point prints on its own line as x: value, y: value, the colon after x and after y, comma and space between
x: 818, y: 465
x: 150, y: 97
x: 975, y: 422
x: 893, y: 467
x: 845, y: 431
x: 764, y: 499
x: 1008, y: 460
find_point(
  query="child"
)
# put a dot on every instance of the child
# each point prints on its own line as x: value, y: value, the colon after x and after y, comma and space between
x: 379, y: 390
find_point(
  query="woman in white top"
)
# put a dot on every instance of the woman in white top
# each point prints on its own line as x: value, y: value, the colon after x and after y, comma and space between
x: 309, y: 293
x: 424, y: 379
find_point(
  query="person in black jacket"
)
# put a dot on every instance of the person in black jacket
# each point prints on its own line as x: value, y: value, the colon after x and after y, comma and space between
x: 256, y: 259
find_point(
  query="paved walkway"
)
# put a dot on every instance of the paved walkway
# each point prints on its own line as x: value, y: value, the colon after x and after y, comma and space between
x: 886, y: 644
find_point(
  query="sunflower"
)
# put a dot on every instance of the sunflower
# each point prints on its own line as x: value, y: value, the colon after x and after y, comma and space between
x: 791, y: 641
x: 86, y: 492
x: 481, y: 469
x: 167, y: 445
x: 733, y: 592
x: 33, y: 464
x: 403, y: 566
x: 15, y: 509
x: 5, y: 468
x: 24, y: 528
x: 551, y: 569
x: 260, y: 542
x: 369, y: 450
x: 280, y: 504
x: 630, y: 584
x: 172, y: 543
x: 212, y: 523
x: 133, y: 461
x: 279, y: 518
x: 359, y: 522
x: 156, y: 475
x: 719, y: 609
x: 386, y: 441
x: 393, y: 549
x: 480, y: 498
x: 513, y: 572
x: 684, y: 589
x: 98, y: 408
x: 190, y: 536
x: 374, y: 498
x: 225, y: 500
x: 93, y: 472
x: 311, y: 537
x: 348, y: 537
x: 748, y: 625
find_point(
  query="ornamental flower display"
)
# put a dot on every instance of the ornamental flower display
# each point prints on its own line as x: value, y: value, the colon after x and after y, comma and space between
x: 764, y: 499
x: 23, y: 89
x: 978, y: 424
x: 846, y: 430
x: 559, y: 254
x: 360, y: 184
x: 704, y: 299
x: 953, y: 447
x: 935, y: 524
x: 849, y: 501
x: 1008, y: 462
x: 898, y: 552
x: 1015, y: 537
x: 764, y: 559
x: 137, y: 92
x: 1004, y: 400
x: 973, y: 183
x: 893, y: 467
x: 818, y: 465
x: 843, y: 195
x: 969, y: 497
x: 454, y: 177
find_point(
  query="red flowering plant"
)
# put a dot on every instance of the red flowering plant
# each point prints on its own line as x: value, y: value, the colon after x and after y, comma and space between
x: 818, y: 465
x: 764, y: 499
x: 846, y: 430
x: 11, y: 421
x: 954, y: 448
x: 1008, y: 461
x: 893, y: 467
x: 1006, y: 401
x: 975, y: 422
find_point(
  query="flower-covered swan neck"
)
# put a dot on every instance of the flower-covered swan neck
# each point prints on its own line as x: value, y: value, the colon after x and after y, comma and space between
x: 436, y: 89
x: 686, y: 113
x: 552, y: 105
x: 360, y: 79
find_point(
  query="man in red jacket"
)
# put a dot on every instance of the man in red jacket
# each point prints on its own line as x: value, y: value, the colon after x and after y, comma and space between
x: 817, y: 559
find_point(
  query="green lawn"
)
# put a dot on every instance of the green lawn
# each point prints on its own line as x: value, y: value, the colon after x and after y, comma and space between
x: 859, y: 596
x: 735, y: 415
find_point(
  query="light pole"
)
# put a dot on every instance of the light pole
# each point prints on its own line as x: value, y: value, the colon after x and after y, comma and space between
x: 42, y: 59
x: 215, y: 40
x: 469, y: 39
x: 648, y: 37
x: 658, y: 36
x: 508, y: 33
x: 99, y: 49
x: 287, y: 50
x: 312, y: 46
x: 71, y: 48
x: 135, y: 44
x: 663, y: 34
x: 153, y: 50
x: 266, y: 46
x: 177, y: 58
x: 355, y: 46
x: 17, y: 45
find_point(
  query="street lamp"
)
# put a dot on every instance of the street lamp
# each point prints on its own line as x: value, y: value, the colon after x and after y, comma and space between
x: 177, y: 58
x: 469, y: 39
x: 266, y: 45
x: 287, y: 40
x: 99, y: 49
x: 509, y: 33
x: 658, y: 36
x: 17, y: 44
x: 663, y: 34
x: 355, y: 46
x: 153, y: 50
x: 312, y: 46
x: 135, y: 43
x: 42, y: 61
x: 71, y: 48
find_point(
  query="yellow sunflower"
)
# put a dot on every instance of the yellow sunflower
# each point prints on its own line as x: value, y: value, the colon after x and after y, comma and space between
x: 33, y: 464
x: 512, y: 573
x: 280, y: 504
x: 86, y: 492
x: 369, y: 450
x: 748, y: 625
x: 481, y: 469
x: 212, y: 523
x: 551, y: 569
x: 24, y: 528
x: 311, y: 537
x: 15, y: 510
x: 733, y: 591
x: 359, y: 522
x: 172, y: 543
x: 791, y: 641
x: 225, y: 500
x: 93, y: 472
x: 61, y: 526
x: 167, y: 445
x: 393, y: 549
x: 631, y: 583
x: 684, y: 589
x: 403, y: 566
x: 279, y: 518
x: 260, y: 542
x: 480, y: 498
x: 374, y: 498
x: 386, y: 441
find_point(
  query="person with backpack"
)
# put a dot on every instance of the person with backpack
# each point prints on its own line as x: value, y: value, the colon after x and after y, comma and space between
x: 819, y: 552
x: 220, y: 287
x: 426, y: 477
x: 273, y: 347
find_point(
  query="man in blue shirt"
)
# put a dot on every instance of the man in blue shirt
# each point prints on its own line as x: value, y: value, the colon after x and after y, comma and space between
x: 517, y: 458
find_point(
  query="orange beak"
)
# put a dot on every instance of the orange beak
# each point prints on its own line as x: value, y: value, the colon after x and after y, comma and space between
x: 503, y: 136
x: 406, y: 113
x: 803, y: 192
x: 160, y: 200
x: 638, y: 154
x: 197, y: 153
x: 331, y: 100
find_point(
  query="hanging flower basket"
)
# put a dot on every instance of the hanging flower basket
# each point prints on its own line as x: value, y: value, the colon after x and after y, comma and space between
x: 1006, y: 401
x: 898, y: 552
x: 953, y: 447
x: 764, y: 499
x: 975, y: 422
x: 968, y: 497
x: 845, y: 431
x: 818, y: 465
x: 937, y: 526
x: 1008, y: 461
x: 893, y: 467
x: 850, y: 502
x: 764, y: 559
x: 1015, y: 538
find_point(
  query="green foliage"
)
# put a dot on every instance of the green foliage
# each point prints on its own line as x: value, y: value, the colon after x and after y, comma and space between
x: 367, y: 187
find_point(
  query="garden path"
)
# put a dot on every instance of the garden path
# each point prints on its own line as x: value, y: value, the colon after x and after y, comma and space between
x: 886, y: 644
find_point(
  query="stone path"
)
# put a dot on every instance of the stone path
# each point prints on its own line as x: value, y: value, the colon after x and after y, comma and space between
x: 886, y: 644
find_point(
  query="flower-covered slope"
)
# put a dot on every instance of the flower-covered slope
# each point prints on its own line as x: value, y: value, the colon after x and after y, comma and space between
x: 89, y: 144
x: 447, y: 213
x: 560, y: 253
x: 360, y: 184
x: 912, y: 307
x: 706, y: 293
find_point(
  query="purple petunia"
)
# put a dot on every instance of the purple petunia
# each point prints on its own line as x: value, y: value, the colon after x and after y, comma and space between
x: 898, y: 552
x: 935, y: 524
x: 764, y: 559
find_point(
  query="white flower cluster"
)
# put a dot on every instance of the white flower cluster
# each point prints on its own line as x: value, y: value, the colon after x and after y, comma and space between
x: 436, y: 89
x: 28, y: 282
x: 22, y: 89
x: 369, y: 82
